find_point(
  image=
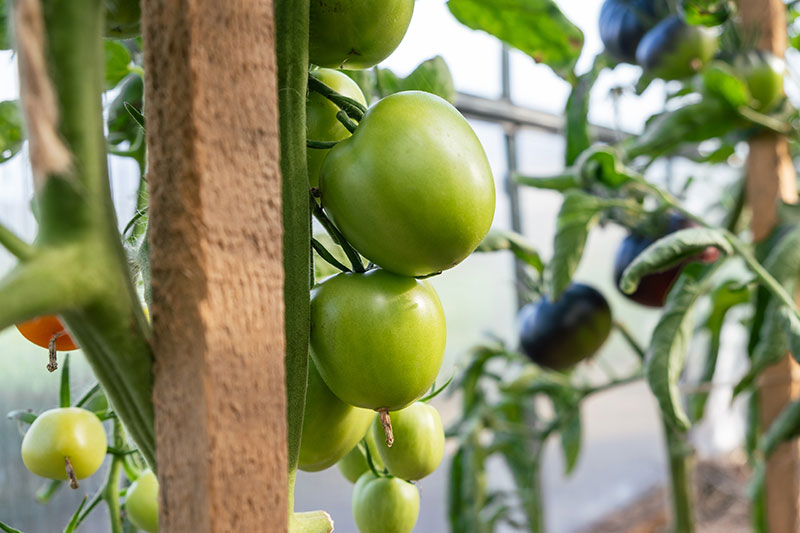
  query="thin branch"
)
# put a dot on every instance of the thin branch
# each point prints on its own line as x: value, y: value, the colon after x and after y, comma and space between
x: 353, y: 108
x: 18, y: 248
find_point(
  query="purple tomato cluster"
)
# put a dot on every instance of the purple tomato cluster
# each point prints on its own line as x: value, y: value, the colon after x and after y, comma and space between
x: 410, y: 189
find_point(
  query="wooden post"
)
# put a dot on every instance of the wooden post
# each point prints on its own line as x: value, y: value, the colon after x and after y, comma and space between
x: 216, y: 252
x: 771, y: 178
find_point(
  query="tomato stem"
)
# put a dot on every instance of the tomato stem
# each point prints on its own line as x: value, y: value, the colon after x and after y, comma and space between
x: 346, y: 121
x: 386, y: 422
x: 352, y: 255
x: 16, y: 246
x: 321, y: 145
x: 353, y: 108
x: 327, y: 256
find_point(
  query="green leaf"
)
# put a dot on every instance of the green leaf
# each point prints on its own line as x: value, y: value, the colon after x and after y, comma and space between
x: 122, y: 126
x: 783, y: 260
x: 578, y: 214
x: 46, y: 492
x: 118, y: 58
x: 577, y: 123
x: 726, y: 296
x: 602, y: 164
x: 785, y: 427
x: 670, y: 342
x: 535, y: 27
x: 771, y: 347
x: 8, y: 529
x: 64, y: 390
x: 671, y: 250
x: 497, y: 240
x: 431, y: 76
x: 571, y: 439
x: 667, y: 132
x: 5, y: 27
x: 720, y: 80
x: 74, y: 521
x: 707, y: 12
x: 791, y: 327
x: 559, y: 182
x: 12, y: 134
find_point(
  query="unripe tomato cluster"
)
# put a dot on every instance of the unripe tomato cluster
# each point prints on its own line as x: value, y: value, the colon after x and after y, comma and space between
x: 410, y: 189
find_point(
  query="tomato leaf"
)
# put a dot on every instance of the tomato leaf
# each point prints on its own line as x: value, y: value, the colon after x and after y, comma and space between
x: 671, y: 250
x: 118, y: 58
x: 559, y: 182
x: 791, y: 327
x: 578, y: 214
x: 75, y: 520
x: 11, y: 132
x: 783, y: 260
x: 497, y: 240
x: 602, y: 164
x: 577, y: 122
x: 122, y: 126
x: 726, y: 296
x: 785, y: 427
x: 719, y: 80
x: 571, y: 439
x: 431, y: 76
x: 770, y: 349
x: 707, y: 12
x: 64, y: 399
x: 668, y: 346
x: 536, y: 27
x: 8, y: 529
x: 5, y: 27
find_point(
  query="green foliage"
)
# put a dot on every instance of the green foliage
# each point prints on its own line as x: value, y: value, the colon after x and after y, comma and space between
x: 670, y: 342
x: 11, y: 131
x: 785, y: 427
x: 577, y: 110
x: 671, y: 250
x: 536, y: 27
x: 5, y: 26
x: 117, y: 61
x: 497, y: 240
x: 707, y: 12
x: 431, y: 76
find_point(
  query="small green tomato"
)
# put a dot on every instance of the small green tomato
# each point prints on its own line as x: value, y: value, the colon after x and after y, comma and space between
x: 141, y: 502
x: 418, y: 441
x: 385, y: 504
x: 354, y: 463
x: 64, y: 433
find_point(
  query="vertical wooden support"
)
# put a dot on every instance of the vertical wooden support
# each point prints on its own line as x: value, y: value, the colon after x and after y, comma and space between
x: 771, y: 178
x: 216, y: 252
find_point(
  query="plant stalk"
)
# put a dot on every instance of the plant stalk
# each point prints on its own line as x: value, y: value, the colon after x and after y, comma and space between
x: 680, y: 470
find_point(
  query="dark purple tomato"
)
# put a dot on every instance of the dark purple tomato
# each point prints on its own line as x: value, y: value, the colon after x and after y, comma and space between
x: 653, y: 288
x: 623, y: 23
x: 560, y: 334
x: 673, y: 49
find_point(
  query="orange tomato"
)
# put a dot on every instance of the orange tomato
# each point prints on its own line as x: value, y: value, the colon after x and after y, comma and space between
x: 40, y: 330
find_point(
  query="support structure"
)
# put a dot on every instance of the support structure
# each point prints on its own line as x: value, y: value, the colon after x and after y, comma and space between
x: 217, y: 265
x: 771, y: 178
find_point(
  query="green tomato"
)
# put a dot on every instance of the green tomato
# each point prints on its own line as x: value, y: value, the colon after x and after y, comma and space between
x: 418, y: 446
x: 331, y: 428
x: 377, y: 338
x: 354, y: 463
x: 141, y: 502
x: 411, y: 189
x: 67, y: 432
x: 123, y: 19
x: 321, y: 121
x: 385, y: 504
x: 357, y: 34
x: 763, y: 72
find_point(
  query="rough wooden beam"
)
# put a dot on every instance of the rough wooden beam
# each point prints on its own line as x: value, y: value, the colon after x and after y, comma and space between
x: 216, y: 234
x: 771, y: 179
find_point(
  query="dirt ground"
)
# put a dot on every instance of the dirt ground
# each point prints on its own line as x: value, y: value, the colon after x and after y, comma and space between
x: 721, y: 504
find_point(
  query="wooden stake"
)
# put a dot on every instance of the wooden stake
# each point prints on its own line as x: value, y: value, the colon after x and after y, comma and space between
x: 216, y: 252
x: 771, y: 178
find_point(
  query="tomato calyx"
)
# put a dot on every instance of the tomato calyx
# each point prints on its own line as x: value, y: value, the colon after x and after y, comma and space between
x: 386, y: 422
x: 52, y: 349
x: 71, y: 476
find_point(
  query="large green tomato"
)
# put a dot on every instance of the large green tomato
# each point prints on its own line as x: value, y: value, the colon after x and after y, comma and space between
x: 354, y: 463
x: 377, y: 338
x: 141, y: 502
x: 411, y: 189
x: 123, y: 19
x: 356, y: 34
x: 331, y: 428
x: 385, y: 504
x: 418, y: 441
x: 58, y: 434
x: 321, y: 121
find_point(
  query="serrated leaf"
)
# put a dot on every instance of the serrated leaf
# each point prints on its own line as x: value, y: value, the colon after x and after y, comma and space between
x: 785, y: 427
x: 497, y: 240
x: 117, y: 60
x: 571, y: 439
x: 536, y: 27
x: 432, y: 76
x: 670, y: 250
x: 578, y: 214
x: 725, y: 297
x: 771, y: 347
x: 667, y: 352
x: 12, y: 134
